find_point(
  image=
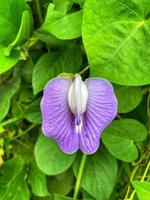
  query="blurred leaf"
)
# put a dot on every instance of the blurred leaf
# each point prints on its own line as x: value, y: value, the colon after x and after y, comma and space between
x: 140, y: 113
x: 23, y: 33
x: 86, y: 196
x: 52, y: 64
x: 20, y: 101
x: 100, y: 174
x: 142, y: 189
x: 24, y: 148
x: 7, y: 62
x: 116, y: 38
x: 60, y: 197
x: 26, y: 71
x: 120, y: 136
x: 49, y: 158
x: 8, y: 172
x: 37, y: 181
x: 33, y: 114
x: 26, y: 95
x: 11, y: 12
x: 63, y: 183
x: 7, y: 91
x: 42, y: 198
x: 128, y: 98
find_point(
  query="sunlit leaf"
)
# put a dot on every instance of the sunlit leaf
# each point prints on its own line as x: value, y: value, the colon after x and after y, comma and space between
x: 64, y: 27
x: 142, y: 189
x: 7, y: 62
x: 23, y: 33
x: 116, y: 36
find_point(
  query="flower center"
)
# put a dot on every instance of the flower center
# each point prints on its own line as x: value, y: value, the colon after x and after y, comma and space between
x: 78, y: 96
x: 78, y: 123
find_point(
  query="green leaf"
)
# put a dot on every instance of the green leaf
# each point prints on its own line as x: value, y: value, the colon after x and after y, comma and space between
x: 120, y: 136
x: 49, y: 158
x: 100, y: 174
x: 63, y: 27
x: 17, y: 188
x: 128, y: 98
x: 63, y: 183
x: 142, y: 189
x: 33, y: 114
x: 8, y: 175
x: 37, y: 181
x: 26, y: 71
x: 60, y: 197
x: 63, y: 6
x: 7, y: 91
x: 8, y: 170
x: 51, y: 16
x: 23, y: 33
x: 10, y: 19
x: 66, y: 28
x: 51, y: 40
x: 86, y: 196
x: 52, y: 64
x: 116, y: 39
x: 7, y: 62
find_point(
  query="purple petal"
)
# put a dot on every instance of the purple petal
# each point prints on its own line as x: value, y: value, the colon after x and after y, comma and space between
x: 57, y: 119
x: 101, y: 110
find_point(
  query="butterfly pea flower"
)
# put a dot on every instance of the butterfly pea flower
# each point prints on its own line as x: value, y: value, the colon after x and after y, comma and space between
x: 75, y: 113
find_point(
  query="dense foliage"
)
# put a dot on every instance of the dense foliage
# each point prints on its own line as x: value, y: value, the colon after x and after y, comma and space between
x: 42, y: 39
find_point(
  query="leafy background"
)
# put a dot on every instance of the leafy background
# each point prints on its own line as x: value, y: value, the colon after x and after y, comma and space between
x: 41, y: 39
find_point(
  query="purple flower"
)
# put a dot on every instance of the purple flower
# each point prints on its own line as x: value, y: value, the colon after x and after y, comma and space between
x: 74, y: 113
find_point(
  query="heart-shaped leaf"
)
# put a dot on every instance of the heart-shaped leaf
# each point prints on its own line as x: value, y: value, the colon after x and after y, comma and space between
x: 120, y: 136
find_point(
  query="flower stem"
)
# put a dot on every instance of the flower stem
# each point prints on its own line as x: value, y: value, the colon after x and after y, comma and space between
x: 80, y: 173
x: 84, y: 70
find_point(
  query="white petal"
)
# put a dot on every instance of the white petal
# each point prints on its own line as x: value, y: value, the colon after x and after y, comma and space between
x: 78, y: 96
